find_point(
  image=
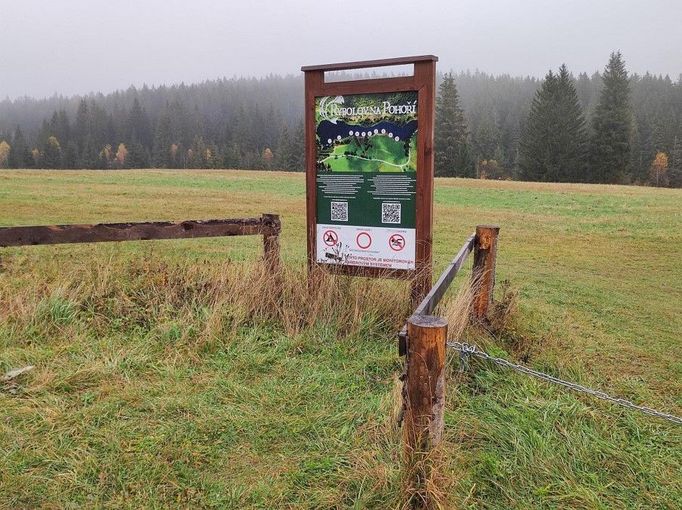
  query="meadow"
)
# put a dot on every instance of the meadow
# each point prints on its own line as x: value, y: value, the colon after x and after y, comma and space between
x: 167, y: 377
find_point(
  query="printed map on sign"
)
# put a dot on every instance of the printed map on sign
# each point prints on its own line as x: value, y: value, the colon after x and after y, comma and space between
x: 366, y: 179
x: 367, y: 133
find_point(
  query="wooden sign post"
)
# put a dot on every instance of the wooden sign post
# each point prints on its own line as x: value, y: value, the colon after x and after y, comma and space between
x: 369, y: 171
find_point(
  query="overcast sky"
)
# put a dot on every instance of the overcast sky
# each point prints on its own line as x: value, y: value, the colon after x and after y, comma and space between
x: 77, y: 46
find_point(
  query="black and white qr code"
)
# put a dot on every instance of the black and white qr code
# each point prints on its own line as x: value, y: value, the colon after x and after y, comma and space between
x: 339, y: 211
x: 390, y: 212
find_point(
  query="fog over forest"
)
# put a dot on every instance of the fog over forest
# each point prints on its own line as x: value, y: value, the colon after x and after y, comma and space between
x: 66, y: 76
x: 257, y: 123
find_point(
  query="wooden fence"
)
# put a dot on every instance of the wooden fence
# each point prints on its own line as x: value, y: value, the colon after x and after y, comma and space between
x: 423, y: 340
x: 268, y: 225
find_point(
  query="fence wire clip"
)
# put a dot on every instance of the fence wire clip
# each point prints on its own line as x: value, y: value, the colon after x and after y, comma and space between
x: 465, y: 352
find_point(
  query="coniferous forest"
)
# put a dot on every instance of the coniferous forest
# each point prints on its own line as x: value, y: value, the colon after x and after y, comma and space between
x: 608, y: 127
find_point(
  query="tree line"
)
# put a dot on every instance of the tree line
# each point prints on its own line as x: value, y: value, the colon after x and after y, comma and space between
x: 607, y: 127
x: 624, y: 130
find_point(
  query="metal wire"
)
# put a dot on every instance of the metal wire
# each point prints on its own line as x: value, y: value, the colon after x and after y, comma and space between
x: 467, y: 350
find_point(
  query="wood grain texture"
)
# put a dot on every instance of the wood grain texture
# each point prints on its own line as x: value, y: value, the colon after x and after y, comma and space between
x: 271, y: 251
x: 483, y: 274
x: 431, y: 300
x: 376, y: 86
x: 111, y: 232
x: 425, y: 80
x: 424, y: 402
x: 313, y: 88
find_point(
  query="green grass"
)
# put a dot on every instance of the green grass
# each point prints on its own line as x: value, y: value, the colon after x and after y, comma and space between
x: 155, y: 386
x: 385, y: 155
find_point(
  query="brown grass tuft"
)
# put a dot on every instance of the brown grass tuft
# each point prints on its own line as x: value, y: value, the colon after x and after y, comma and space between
x: 147, y: 293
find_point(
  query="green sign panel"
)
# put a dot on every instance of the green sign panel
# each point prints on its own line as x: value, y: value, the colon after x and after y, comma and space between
x: 366, y: 179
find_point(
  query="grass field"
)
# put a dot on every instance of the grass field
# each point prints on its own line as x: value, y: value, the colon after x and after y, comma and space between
x: 164, y: 380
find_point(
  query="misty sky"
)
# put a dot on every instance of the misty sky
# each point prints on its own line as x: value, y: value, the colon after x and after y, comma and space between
x: 77, y: 46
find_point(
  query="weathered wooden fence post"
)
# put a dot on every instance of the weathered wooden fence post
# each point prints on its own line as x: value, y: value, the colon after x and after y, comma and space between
x: 425, y: 400
x: 271, y: 229
x: 483, y: 274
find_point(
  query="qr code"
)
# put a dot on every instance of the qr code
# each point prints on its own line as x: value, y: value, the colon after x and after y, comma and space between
x: 390, y: 212
x: 339, y: 211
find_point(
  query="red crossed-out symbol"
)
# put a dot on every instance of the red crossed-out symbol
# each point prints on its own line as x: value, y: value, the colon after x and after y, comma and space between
x: 330, y: 238
x: 363, y: 240
x: 396, y: 242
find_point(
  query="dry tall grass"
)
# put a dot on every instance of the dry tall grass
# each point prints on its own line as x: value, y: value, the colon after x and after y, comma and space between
x: 227, y: 295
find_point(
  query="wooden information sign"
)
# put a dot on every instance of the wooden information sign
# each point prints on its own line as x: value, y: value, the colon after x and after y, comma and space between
x: 369, y: 171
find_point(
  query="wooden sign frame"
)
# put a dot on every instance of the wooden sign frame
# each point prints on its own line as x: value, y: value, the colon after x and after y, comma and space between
x: 423, y: 81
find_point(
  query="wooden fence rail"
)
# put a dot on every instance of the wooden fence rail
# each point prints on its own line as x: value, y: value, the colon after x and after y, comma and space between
x: 423, y: 341
x: 431, y: 300
x: 268, y: 225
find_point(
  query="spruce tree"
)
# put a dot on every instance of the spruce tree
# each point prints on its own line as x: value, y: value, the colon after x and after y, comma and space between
x: 451, y: 148
x: 612, y: 126
x: 290, y: 153
x: 571, y: 132
x: 676, y: 154
x: 283, y: 153
x: 137, y: 125
x: 82, y: 126
x: 485, y: 134
x: 554, y: 140
x: 20, y: 156
x: 137, y: 156
x: 537, y: 145
x: 162, y: 143
x: 51, y: 155
x: 675, y: 170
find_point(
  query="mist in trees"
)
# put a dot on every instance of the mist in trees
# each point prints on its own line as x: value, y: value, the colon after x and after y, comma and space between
x: 606, y: 127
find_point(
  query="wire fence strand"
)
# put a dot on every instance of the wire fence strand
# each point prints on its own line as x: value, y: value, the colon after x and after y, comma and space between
x: 466, y: 350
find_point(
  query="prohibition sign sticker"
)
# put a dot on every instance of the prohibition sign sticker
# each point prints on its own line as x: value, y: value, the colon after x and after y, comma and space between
x: 396, y: 242
x: 363, y: 240
x: 330, y: 238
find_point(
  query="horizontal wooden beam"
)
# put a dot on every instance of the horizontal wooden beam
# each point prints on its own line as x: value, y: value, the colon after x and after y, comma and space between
x: 374, y: 86
x: 399, y: 61
x: 107, y: 232
x: 429, y: 303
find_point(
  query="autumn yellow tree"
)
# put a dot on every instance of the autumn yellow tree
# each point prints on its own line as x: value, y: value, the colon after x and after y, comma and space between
x: 173, y: 153
x: 106, y: 154
x: 268, y: 156
x: 121, y: 154
x: 52, y: 153
x: 208, y: 156
x: 4, y: 153
x: 658, y: 172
